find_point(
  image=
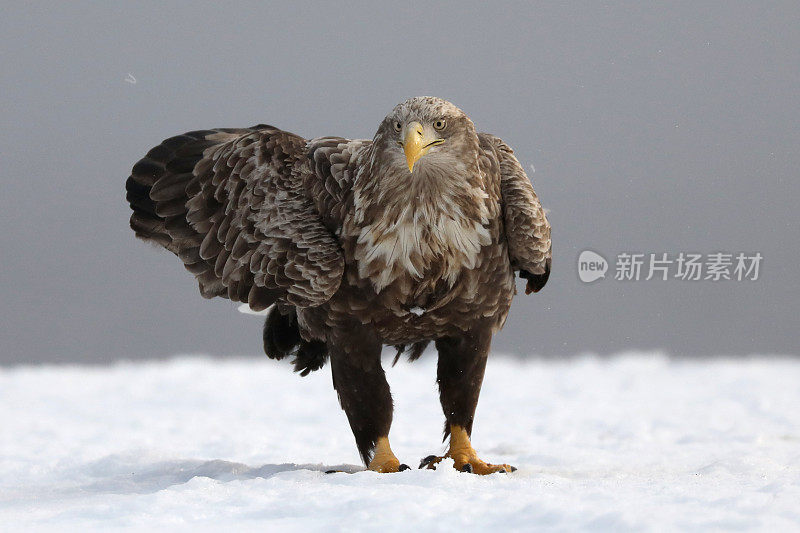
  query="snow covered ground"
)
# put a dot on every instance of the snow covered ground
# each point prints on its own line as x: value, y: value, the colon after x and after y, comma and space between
x: 632, y: 442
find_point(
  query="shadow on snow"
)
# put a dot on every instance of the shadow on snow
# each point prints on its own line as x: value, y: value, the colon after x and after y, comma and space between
x: 124, y: 474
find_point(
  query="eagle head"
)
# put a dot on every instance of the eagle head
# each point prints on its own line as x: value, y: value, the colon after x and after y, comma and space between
x: 421, y: 209
x: 427, y: 133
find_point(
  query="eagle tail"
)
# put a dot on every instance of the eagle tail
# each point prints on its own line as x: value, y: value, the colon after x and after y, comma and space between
x: 282, y: 337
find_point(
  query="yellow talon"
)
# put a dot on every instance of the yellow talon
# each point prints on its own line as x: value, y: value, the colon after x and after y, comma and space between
x: 384, y: 460
x: 465, y: 459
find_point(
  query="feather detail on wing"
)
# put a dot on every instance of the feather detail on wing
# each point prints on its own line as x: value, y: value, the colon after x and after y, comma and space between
x: 232, y: 204
x: 334, y: 163
x: 526, y: 226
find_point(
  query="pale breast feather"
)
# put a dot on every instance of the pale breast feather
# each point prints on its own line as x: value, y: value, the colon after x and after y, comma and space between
x: 407, y: 230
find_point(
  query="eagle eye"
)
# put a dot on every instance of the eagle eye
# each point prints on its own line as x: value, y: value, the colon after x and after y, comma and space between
x: 398, y: 126
x: 439, y: 124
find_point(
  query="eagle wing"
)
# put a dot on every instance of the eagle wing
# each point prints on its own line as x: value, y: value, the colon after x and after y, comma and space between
x: 526, y: 227
x: 238, y: 207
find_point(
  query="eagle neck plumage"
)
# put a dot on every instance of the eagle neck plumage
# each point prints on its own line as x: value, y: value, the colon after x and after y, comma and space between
x: 421, y: 228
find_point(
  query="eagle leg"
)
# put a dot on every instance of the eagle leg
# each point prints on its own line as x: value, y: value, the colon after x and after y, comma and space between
x: 364, y: 395
x: 462, y: 362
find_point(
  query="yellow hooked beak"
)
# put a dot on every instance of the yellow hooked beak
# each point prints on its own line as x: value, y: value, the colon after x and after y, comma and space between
x: 416, y: 143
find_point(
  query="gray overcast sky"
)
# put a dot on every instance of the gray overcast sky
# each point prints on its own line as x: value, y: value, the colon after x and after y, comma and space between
x: 652, y: 127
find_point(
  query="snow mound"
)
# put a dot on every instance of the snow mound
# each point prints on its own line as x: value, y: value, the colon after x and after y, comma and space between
x: 632, y: 442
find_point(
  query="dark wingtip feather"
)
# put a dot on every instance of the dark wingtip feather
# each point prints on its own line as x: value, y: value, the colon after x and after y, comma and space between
x: 536, y: 281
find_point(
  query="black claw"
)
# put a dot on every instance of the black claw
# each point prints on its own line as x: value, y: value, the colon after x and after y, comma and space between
x: 403, y: 467
x: 428, y: 460
x: 467, y: 468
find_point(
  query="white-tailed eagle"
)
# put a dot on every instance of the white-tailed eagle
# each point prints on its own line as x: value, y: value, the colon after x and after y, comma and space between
x: 411, y: 237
